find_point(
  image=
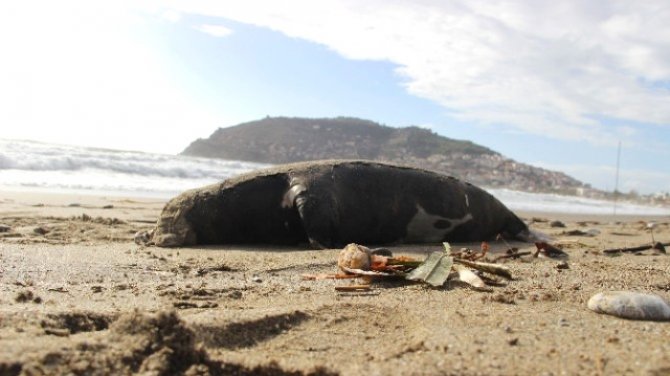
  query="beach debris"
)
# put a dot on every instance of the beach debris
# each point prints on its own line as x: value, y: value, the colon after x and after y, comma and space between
x: 354, y: 256
x: 143, y: 237
x: 472, y: 255
x: 434, y: 270
x: 58, y: 289
x: 466, y: 275
x: 651, y: 226
x: 109, y: 206
x: 562, y: 265
x: 512, y: 253
x: 592, y: 232
x: 658, y: 246
x: 353, y: 288
x: 41, y: 230
x: 557, y: 224
x: 490, y: 268
x: 359, y: 261
x: 630, y: 305
x: 4, y: 228
x: 549, y: 251
x: 322, y: 276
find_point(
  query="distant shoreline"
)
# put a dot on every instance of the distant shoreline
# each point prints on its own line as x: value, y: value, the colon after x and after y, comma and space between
x: 534, y: 205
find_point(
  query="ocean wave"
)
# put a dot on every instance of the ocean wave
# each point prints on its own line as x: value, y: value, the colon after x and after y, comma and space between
x: 555, y: 203
x: 36, y: 156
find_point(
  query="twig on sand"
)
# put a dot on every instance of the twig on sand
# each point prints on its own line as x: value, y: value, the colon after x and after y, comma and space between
x: 316, y: 277
x: 511, y: 255
x: 657, y: 246
x: 352, y: 288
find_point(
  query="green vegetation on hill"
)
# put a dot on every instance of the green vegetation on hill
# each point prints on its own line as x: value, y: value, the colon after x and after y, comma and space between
x: 284, y: 139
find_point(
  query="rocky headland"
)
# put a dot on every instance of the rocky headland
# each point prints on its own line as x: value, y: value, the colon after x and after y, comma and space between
x: 284, y: 140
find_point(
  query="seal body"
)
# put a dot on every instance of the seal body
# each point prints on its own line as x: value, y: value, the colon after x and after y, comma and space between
x: 333, y: 203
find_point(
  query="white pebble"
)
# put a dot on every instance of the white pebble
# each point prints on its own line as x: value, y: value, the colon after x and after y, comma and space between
x: 630, y: 305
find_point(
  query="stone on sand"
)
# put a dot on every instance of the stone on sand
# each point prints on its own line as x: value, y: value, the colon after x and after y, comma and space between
x: 630, y: 305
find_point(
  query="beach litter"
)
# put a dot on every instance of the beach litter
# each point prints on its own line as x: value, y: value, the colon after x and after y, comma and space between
x: 657, y: 246
x: 592, y: 232
x: 142, y: 237
x: 439, y: 267
x: 547, y: 250
x: 630, y: 305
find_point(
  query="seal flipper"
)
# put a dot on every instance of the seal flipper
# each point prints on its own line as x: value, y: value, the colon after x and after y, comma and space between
x: 319, y: 219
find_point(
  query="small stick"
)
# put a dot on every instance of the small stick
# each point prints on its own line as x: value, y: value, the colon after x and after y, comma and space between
x: 316, y: 277
x: 512, y: 256
x: 501, y: 237
x: 486, y: 267
x: 635, y: 249
x: 352, y: 288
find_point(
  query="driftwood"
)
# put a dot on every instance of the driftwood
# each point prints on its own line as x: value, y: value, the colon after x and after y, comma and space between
x: 657, y: 246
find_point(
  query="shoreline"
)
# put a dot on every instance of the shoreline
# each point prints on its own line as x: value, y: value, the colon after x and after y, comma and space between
x: 34, y: 193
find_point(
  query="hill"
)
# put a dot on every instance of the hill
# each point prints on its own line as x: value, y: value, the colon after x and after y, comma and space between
x: 283, y: 140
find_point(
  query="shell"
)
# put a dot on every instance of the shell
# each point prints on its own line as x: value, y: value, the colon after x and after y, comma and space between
x: 354, y: 256
x: 630, y: 305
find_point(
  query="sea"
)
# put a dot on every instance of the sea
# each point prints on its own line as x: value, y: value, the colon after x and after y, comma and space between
x: 44, y: 167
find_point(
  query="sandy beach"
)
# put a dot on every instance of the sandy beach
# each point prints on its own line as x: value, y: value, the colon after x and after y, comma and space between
x: 78, y: 296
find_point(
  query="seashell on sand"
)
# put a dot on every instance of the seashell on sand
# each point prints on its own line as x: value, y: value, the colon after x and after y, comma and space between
x: 630, y: 305
x: 354, y: 256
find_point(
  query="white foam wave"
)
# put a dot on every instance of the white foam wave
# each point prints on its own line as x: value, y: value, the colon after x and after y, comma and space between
x: 554, y: 203
x: 35, y: 156
x: 35, y: 165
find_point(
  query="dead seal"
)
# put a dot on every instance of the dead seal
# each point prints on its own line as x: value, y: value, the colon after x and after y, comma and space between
x: 333, y: 203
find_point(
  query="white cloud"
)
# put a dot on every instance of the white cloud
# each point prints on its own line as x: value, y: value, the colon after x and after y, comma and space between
x: 171, y: 15
x: 215, y: 30
x: 546, y: 68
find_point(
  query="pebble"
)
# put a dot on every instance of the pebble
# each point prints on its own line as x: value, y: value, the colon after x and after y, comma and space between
x: 562, y: 265
x: 142, y: 237
x: 630, y: 305
x: 41, y: 230
x: 557, y: 224
x: 4, y: 228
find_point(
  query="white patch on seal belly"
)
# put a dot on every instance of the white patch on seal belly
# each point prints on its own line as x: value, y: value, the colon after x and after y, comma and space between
x: 422, y: 226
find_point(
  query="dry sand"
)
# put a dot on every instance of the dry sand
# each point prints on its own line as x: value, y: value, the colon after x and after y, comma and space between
x: 78, y: 296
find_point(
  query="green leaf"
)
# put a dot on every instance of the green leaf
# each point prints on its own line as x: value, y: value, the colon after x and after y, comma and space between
x: 447, y: 248
x: 434, y: 271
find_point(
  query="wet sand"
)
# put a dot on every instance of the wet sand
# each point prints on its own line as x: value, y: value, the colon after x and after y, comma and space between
x: 79, y: 296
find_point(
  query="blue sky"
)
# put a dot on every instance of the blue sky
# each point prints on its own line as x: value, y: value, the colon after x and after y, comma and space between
x: 553, y: 85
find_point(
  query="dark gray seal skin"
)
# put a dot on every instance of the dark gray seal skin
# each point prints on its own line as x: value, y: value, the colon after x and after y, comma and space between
x: 333, y: 203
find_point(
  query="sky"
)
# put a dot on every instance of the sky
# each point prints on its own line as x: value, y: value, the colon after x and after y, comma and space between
x: 554, y: 84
